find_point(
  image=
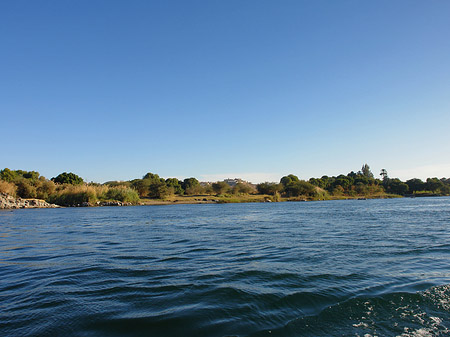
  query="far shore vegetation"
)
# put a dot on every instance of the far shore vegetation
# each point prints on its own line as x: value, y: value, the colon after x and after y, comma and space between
x: 68, y: 189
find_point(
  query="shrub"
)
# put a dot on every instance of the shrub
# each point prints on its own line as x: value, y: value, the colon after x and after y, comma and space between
x: 72, y: 195
x: 45, y: 188
x: 25, y: 189
x: 124, y: 194
x: 8, y: 188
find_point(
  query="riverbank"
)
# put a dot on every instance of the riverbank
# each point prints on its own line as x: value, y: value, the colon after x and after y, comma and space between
x: 9, y: 202
x: 224, y: 199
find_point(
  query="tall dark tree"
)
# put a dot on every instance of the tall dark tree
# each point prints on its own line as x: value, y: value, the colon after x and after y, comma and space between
x: 384, y: 174
x: 365, y: 171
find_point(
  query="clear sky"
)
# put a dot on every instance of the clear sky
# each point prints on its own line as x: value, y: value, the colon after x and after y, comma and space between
x: 256, y: 89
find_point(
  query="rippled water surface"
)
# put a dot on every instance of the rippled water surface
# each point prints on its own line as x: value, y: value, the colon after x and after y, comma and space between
x: 334, y: 268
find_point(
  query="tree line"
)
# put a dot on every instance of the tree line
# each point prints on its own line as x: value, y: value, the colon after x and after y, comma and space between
x: 68, y: 188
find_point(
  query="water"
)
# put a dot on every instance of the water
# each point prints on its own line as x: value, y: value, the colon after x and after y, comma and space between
x: 335, y: 268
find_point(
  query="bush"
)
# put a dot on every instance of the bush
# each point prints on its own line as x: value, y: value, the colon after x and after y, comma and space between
x: 25, y: 189
x: 45, y: 188
x: 72, y: 195
x: 123, y: 194
x: 8, y: 188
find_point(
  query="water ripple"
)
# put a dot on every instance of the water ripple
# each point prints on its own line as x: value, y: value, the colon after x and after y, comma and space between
x: 378, y: 267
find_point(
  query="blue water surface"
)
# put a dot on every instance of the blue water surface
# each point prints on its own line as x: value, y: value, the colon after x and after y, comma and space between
x: 328, y: 268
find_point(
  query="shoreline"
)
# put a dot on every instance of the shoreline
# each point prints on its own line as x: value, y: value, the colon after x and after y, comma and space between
x: 8, y: 202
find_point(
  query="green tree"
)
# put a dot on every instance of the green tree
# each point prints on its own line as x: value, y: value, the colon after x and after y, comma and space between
x: 142, y: 186
x: 360, y: 179
x: 68, y: 178
x: 384, y: 174
x: 192, y: 186
x: 396, y: 186
x: 269, y: 188
x: 365, y: 171
x: 176, y: 185
x: 289, y: 179
x: 159, y: 190
x: 8, y: 175
x: 344, y: 181
x: 298, y: 188
x: 241, y: 188
x: 415, y: 185
x: 151, y: 176
x: 434, y: 184
x: 324, y: 182
x: 221, y: 187
x: 15, y: 175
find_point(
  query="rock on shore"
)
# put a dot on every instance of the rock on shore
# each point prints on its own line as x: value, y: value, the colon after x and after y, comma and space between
x: 9, y: 202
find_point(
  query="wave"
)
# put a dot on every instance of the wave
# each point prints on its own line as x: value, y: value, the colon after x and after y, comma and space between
x: 425, y: 313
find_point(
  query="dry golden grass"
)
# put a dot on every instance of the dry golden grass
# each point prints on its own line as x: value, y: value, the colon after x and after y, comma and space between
x: 8, y: 188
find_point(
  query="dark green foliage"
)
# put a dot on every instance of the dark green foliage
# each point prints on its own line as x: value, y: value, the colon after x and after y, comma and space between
x: 241, y: 188
x: 325, y: 182
x: 151, y: 176
x: 395, y: 186
x: 142, y: 186
x: 415, y: 185
x: 434, y: 184
x: 294, y: 187
x: 16, y: 175
x: 8, y: 175
x: 159, y: 189
x: 190, y: 182
x: 344, y: 181
x: 192, y: 186
x: 300, y: 188
x: 384, y: 174
x: 221, y: 187
x: 365, y: 171
x: 289, y: 179
x: 176, y: 185
x: 360, y: 179
x: 68, y: 178
x: 269, y: 188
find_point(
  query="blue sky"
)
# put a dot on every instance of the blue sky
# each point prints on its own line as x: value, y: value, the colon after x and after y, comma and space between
x: 111, y: 90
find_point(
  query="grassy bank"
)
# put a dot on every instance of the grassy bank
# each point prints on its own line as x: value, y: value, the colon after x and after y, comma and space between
x: 222, y: 199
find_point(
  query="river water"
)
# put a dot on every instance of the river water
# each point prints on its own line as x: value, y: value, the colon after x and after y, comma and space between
x: 329, y: 268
